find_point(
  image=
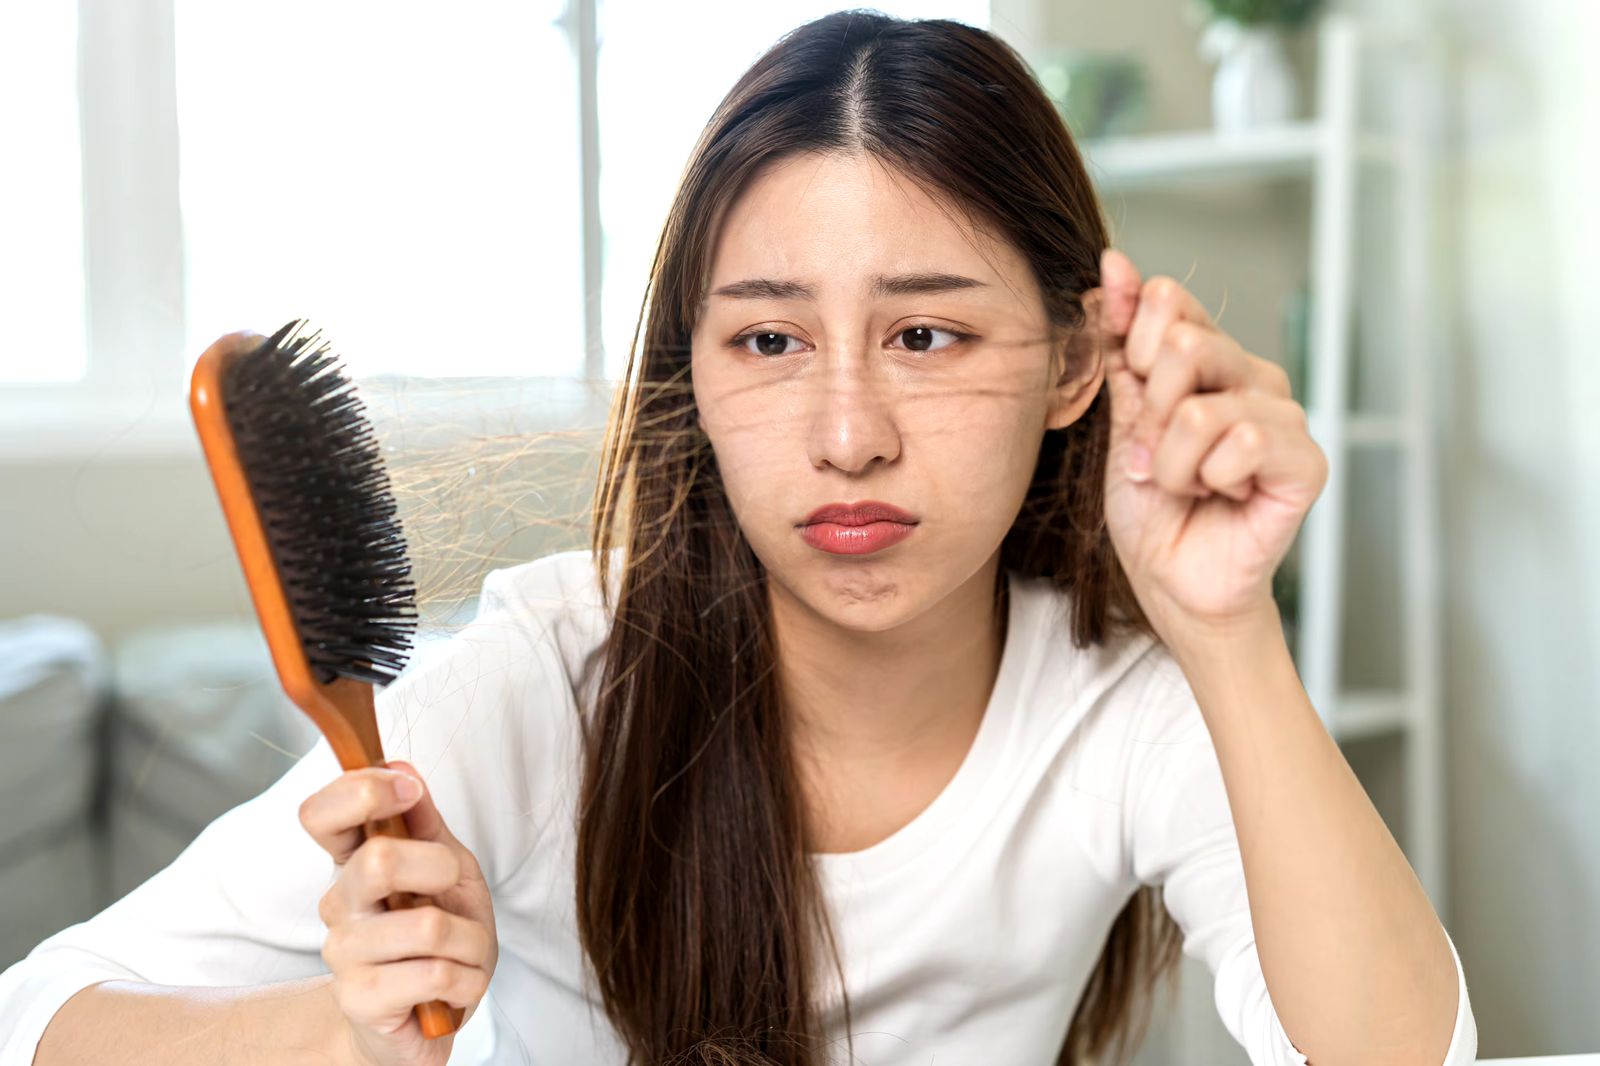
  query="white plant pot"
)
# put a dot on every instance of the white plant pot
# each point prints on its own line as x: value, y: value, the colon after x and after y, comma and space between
x: 1254, y: 84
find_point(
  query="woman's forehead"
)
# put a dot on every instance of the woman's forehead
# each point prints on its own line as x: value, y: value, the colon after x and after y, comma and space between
x: 819, y: 226
x: 833, y: 199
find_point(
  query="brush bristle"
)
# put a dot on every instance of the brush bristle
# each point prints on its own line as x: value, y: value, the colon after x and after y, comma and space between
x: 323, y: 493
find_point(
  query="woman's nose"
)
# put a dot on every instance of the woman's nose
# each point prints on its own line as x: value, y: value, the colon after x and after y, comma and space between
x: 851, y: 411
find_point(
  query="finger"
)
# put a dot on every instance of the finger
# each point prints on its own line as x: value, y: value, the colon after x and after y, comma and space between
x: 384, y: 865
x: 401, y: 934
x: 1284, y: 456
x: 1272, y: 377
x: 1194, y: 429
x: 1162, y: 301
x: 334, y: 815
x: 1230, y: 466
x: 1192, y: 358
x: 382, y: 996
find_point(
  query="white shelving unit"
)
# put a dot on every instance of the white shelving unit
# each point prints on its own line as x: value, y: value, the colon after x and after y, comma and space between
x: 1330, y: 151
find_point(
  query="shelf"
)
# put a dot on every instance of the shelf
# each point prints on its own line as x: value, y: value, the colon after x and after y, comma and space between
x: 1375, y: 429
x: 1143, y: 158
x: 1374, y: 713
x: 1362, y: 430
x: 1287, y: 150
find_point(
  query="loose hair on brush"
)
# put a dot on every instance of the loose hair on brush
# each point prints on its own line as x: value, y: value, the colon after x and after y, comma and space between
x: 697, y: 909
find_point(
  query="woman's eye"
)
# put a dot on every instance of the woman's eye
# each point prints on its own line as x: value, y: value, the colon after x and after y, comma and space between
x: 920, y: 338
x: 767, y: 343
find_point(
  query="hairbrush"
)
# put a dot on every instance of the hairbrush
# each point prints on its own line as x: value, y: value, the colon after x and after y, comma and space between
x: 307, y: 500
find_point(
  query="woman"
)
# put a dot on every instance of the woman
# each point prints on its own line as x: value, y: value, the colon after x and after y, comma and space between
x: 759, y: 781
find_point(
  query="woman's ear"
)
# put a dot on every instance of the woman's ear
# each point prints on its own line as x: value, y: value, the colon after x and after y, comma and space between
x: 1077, y: 366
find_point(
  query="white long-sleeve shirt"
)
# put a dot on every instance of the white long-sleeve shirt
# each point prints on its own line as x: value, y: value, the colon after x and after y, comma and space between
x: 966, y: 936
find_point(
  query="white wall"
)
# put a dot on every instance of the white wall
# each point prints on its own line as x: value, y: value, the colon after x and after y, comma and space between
x: 1523, y: 520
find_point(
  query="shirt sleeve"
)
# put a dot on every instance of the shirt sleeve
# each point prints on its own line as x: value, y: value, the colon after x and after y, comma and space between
x: 238, y: 906
x: 1180, y: 834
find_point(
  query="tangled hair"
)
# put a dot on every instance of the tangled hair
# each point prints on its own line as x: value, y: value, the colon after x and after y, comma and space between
x: 697, y: 908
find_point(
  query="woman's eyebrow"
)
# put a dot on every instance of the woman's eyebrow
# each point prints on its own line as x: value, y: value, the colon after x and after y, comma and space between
x: 882, y: 285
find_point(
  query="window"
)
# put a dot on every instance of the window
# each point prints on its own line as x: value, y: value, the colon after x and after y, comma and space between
x: 404, y: 174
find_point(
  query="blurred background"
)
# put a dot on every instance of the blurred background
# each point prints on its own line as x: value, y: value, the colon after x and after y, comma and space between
x: 1394, y: 199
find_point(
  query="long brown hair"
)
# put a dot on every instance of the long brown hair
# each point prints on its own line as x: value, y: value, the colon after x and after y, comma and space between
x: 697, y: 907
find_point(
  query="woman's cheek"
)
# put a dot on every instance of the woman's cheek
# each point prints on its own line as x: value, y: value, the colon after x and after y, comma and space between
x: 999, y: 461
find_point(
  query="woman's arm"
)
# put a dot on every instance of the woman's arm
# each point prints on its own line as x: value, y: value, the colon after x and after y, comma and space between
x: 135, y: 1024
x: 1211, y: 470
x: 1357, y: 964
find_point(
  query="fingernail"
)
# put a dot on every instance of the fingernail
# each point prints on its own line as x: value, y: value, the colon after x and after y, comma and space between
x: 1138, y: 462
x: 407, y: 788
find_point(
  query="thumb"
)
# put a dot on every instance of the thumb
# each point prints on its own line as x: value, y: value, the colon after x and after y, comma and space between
x: 423, y: 820
x: 1109, y: 308
x: 1120, y: 286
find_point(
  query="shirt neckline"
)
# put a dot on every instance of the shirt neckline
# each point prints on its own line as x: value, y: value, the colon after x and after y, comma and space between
x: 955, y: 800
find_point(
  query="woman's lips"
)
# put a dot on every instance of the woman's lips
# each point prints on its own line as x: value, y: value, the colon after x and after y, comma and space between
x: 841, y: 539
x: 860, y: 513
x: 857, y: 528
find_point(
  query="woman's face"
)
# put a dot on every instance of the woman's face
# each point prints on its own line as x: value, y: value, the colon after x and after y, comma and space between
x: 852, y: 381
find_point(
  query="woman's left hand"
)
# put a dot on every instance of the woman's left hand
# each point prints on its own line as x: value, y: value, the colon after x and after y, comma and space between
x: 1232, y: 468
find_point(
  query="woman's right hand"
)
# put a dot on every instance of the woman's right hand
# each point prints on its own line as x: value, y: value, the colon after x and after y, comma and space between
x: 386, y: 962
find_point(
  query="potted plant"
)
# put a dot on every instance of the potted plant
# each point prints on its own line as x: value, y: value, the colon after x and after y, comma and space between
x: 1254, y: 85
